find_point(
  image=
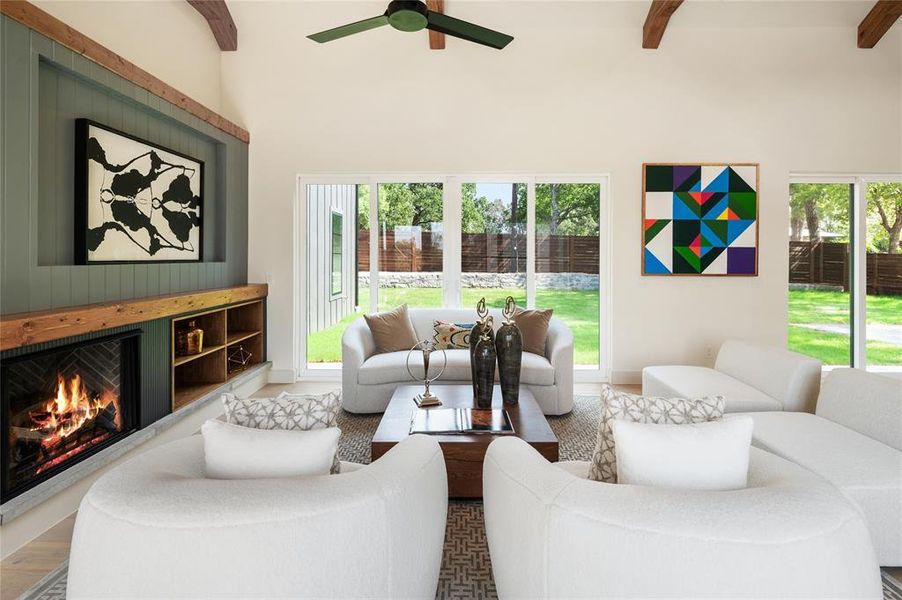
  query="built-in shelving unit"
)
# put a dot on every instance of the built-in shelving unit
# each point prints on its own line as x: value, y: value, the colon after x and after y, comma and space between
x: 226, y: 331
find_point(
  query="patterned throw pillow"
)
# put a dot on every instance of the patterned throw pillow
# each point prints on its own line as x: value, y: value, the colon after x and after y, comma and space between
x: 286, y: 411
x: 450, y: 336
x: 639, y: 409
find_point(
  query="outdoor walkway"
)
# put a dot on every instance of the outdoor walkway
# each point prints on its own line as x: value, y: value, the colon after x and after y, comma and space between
x: 888, y: 334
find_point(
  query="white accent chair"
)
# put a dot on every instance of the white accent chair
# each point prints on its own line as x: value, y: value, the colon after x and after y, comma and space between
x: 368, y: 380
x: 750, y: 377
x: 554, y: 534
x: 854, y: 440
x: 155, y: 527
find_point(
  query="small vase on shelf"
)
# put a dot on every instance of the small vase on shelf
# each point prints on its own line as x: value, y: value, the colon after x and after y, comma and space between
x: 194, y: 339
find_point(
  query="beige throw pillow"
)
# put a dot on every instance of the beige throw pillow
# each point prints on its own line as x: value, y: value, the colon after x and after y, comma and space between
x: 392, y: 331
x: 533, y: 326
x: 639, y: 409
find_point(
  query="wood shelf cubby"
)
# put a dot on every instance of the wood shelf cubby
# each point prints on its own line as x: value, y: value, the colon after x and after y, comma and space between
x: 225, y: 330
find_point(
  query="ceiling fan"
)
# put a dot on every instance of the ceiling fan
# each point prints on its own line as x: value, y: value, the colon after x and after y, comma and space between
x: 413, y: 15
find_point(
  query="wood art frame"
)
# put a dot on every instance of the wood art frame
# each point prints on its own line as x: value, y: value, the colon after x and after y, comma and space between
x: 648, y: 224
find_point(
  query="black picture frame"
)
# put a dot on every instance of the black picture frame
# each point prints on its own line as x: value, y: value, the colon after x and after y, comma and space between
x: 82, y: 196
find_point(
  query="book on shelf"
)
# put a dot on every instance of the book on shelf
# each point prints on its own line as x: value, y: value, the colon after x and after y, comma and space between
x: 461, y: 420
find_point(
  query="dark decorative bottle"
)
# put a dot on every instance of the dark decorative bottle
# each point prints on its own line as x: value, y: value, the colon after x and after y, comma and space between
x: 509, y: 349
x: 484, y: 367
x: 476, y: 335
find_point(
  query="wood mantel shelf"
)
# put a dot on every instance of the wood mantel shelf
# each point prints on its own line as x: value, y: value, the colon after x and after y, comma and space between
x: 24, y: 329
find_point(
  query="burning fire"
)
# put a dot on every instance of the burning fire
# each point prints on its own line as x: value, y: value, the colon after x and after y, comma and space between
x: 71, y: 409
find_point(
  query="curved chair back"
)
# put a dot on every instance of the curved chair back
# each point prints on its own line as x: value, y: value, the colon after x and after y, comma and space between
x: 552, y: 534
x: 156, y: 527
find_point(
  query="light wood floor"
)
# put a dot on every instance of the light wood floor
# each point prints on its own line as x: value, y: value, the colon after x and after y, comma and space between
x: 36, y: 559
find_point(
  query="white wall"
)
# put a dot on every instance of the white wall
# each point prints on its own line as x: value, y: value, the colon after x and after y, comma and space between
x: 782, y: 84
x: 167, y: 38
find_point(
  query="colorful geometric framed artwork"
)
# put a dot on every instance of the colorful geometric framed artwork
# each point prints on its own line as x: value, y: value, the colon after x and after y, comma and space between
x: 700, y: 219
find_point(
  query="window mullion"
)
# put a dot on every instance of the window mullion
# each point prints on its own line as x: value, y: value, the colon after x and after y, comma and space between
x: 531, y: 243
x: 858, y: 274
x: 375, y: 234
x: 452, y: 200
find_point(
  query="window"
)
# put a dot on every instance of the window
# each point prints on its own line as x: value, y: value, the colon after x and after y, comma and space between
x: 337, y: 248
x: 331, y: 214
x: 883, y: 329
x: 567, y: 261
x: 493, y: 243
x: 373, y: 243
x: 845, y: 271
x: 819, y: 252
x: 410, y: 245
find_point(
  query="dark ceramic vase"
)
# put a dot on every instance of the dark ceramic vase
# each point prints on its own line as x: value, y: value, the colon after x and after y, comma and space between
x: 484, y: 371
x: 509, y: 349
x: 475, y: 336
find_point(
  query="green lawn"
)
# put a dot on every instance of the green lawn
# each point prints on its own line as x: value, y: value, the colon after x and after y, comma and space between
x: 578, y: 309
x: 822, y: 307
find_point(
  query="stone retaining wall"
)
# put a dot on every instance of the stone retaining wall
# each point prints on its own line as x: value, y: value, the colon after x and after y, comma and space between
x: 431, y: 279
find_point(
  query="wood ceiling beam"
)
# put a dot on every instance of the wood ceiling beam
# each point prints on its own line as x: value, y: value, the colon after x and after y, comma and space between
x: 436, y: 39
x: 659, y: 14
x: 220, y: 20
x: 878, y: 21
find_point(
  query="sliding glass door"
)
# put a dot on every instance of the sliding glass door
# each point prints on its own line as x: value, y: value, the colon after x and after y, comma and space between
x: 819, y: 252
x: 568, y: 251
x: 883, y: 298
x: 372, y: 243
x: 845, y: 271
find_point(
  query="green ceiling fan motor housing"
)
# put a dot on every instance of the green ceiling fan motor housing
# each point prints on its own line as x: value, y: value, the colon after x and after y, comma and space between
x: 407, y: 15
x: 414, y: 15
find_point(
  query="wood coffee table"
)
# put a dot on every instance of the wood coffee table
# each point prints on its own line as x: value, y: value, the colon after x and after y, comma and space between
x: 464, y: 453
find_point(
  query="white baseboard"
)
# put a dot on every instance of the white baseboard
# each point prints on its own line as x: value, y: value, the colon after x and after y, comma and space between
x: 626, y: 377
x: 283, y: 375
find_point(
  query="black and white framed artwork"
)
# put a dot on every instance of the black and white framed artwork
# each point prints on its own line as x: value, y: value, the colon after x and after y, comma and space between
x: 135, y: 201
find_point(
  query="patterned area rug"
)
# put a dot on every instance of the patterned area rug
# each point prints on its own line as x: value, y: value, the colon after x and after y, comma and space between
x: 466, y: 571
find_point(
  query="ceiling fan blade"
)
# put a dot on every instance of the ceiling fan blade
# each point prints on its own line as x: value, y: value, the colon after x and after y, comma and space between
x: 349, y: 29
x: 442, y: 23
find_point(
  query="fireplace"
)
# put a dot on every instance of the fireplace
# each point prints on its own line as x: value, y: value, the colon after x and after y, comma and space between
x: 63, y: 404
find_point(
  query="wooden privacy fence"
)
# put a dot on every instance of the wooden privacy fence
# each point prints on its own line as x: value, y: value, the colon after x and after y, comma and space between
x: 827, y: 263
x: 481, y: 253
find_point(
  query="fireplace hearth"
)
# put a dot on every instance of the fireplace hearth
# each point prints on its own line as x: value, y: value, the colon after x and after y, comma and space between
x: 64, y: 404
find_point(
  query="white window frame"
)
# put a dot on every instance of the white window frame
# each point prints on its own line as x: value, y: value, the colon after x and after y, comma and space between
x: 451, y: 261
x: 858, y: 225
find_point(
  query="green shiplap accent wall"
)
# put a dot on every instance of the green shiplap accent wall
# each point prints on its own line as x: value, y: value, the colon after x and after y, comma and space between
x: 155, y: 353
x: 44, y: 88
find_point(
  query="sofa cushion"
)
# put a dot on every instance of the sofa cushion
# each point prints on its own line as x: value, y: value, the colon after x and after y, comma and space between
x: 642, y: 409
x: 392, y: 330
x: 678, y: 381
x: 867, y: 471
x: 868, y: 403
x: 390, y: 367
x: 237, y: 452
x: 694, y: 456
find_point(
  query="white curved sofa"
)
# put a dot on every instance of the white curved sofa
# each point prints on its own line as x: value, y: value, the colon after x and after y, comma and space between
x: 368, y: 380
x: 750, y: 377
x: 854, y: 441
x: 554, y: 534
x: 155, y: 527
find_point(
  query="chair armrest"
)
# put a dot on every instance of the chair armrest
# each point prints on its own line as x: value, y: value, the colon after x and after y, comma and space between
x: 559, y: 352
x: 357, y: 345
x: 559, y: 344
